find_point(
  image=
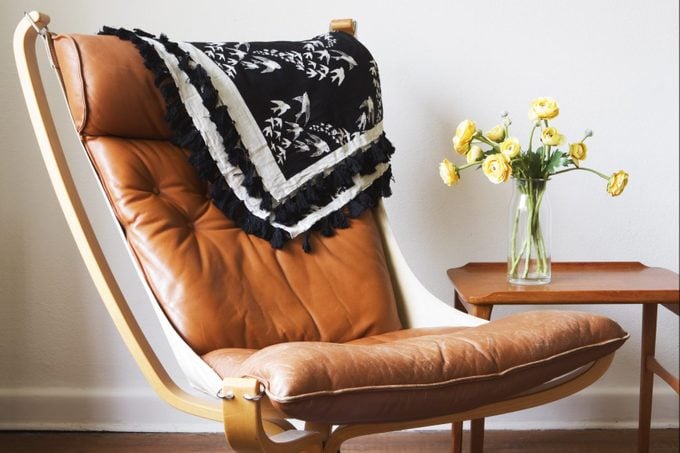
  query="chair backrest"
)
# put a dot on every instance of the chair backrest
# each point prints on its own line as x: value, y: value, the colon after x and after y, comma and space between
x: 218, y: 286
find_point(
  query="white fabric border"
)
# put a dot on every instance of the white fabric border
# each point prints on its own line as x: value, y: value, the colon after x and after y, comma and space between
x: 201, y: 118
x: 234, y: 177
x: 251, y: 135
x: 360, y: 183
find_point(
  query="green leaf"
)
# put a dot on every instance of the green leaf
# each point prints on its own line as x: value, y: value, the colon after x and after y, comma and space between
x: 557, y: 159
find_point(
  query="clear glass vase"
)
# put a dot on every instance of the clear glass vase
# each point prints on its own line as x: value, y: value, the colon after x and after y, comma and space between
x: 529, y: 233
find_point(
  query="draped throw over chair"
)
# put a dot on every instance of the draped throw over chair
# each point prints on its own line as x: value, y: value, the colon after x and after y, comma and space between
x: 344, y: 338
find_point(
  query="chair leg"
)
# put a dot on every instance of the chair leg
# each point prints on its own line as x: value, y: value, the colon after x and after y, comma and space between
x: 243, y: 424
x: 477, y: 435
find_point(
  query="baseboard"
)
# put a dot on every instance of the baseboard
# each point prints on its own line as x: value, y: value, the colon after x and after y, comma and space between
x: 67, y: 409
x: 141, y: 410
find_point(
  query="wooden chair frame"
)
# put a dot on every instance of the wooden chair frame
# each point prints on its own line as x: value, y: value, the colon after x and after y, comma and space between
x: 250, y: 422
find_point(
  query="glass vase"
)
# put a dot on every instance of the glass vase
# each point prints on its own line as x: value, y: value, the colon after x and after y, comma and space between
x: 529, y: 233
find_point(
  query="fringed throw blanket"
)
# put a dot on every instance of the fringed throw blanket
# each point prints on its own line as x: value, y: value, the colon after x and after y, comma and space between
x: 288, y: 134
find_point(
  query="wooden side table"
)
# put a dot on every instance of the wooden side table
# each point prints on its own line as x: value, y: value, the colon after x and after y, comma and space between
x: 480, y: 286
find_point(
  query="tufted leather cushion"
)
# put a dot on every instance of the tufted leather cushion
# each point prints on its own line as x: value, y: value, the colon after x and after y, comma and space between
x: 218, y: 286
x: 419, y: 373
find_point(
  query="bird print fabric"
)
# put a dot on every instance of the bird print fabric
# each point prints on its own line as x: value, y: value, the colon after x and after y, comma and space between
x: 297, y: 91
x: 288, y: 133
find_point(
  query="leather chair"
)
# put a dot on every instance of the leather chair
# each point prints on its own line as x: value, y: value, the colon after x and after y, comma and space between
x: 344, y: 339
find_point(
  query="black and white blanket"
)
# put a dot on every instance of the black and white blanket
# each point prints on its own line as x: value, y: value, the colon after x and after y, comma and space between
x: 288, y: 134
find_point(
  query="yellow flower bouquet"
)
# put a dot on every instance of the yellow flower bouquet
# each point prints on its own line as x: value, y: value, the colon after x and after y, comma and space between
x: 501, y: 157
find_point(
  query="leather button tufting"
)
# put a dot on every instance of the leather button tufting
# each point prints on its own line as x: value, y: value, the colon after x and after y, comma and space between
x: 216, y: 301
x: 156, y: 191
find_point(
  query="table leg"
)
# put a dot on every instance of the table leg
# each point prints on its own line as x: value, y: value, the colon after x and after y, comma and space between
x: 479, y: 311
x: 458, y: 303
x: 457, y: 437
x: 649, y: 312
x: 477, y: 435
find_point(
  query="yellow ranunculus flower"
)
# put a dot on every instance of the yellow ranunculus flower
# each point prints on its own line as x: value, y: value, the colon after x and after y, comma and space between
x: 617, y: 182
x: 474, y: 154
x: 552, y: 137
x: 578, y: 152
x: 465, y: 131
x: 497, y: 168
x: 496, y: 133
x: 511, y: 147
x: 460, y: 147
x: 543, y: 109
x: 448, y: 172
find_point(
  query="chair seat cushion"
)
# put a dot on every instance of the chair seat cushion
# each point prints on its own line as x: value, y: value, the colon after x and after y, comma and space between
x: 422, y: 373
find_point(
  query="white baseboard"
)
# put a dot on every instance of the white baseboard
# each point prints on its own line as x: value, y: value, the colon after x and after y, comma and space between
x: 141, y: 410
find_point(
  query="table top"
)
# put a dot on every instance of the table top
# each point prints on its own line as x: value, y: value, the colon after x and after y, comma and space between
x: 572, y: 283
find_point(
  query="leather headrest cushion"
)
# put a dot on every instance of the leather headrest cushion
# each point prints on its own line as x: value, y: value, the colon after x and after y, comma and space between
x: 110, y: 91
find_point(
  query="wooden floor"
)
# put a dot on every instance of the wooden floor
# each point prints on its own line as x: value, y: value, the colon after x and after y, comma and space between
x: 591, y: 441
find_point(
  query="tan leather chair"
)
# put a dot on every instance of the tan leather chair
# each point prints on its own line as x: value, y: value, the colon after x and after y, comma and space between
x: 359, y: 348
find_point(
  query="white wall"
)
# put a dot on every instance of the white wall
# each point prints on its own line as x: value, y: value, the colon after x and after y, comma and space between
x: 612, y: 65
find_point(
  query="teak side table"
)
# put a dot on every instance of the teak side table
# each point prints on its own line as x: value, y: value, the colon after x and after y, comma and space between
x: 480, y: 286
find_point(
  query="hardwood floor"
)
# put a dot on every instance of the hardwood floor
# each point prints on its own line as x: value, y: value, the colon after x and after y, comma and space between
x: 589, y: 441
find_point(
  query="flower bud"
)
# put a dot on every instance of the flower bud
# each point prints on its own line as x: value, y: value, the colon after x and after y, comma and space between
x: 510, y: 148
x: 460, y: 147
x: 578, y: 152
x: 617, y: 182
x: 496, y: 133
x: 466, y: 130
x: 543, y: 109
x: 551, y: 137
x: 475, y: 154
x: 448, y: 172
x: 497, y: 168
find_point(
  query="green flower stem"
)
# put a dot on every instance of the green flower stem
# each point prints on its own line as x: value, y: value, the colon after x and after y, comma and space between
x: 601, y: 175
x: 513, y: 246
x: 471, y: 164
x: 527, y: 253
x: 483, y: 139
x: 539, y: 234
x: 517, y: 258
x: 546, y: 148
x: 541, y: 255
x: 531, y: 137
